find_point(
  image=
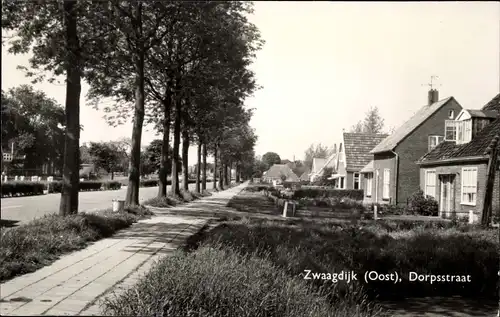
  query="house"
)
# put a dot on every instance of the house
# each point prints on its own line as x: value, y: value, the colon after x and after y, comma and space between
x: 354, y: 154
x: 305, y: 176
x: 279, y: 173
x: 396, y: 175
x: 320, y: 164
x: 454, y: 172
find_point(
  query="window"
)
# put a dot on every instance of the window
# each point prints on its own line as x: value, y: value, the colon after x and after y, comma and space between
x: 369, y: 182
x: 434, y: 141
x: 450, y: 130
x: 465, y: 131
x: 451, y: 114
x: 356, y: 181
x: 342, y: 182
x: 469, y: 185
x: 458, y: 131
x: 430, y: 183
x: 387, y: 182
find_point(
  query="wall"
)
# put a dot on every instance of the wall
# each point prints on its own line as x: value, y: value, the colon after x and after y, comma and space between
x: 382, y: 161
x: 414, y: 146
x: 461, y: 210
x: 349, y: 178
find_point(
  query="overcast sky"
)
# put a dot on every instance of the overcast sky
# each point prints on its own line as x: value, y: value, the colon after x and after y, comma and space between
x: 325, y: 64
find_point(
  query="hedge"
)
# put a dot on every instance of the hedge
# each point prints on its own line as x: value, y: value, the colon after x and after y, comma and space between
x: 154, y: 182
x: 56, y: 187
x: 28, y: 188
x: 355, y: 194
x: 22, y: 188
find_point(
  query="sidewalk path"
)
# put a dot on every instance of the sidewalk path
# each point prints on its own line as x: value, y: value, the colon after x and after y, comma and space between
x: 74, y: 284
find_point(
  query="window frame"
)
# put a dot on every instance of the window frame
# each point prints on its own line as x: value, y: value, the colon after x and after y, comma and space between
x: 369, y: 184
x: 438, y: 138
x: 475, y: 186
x: 386, y: 183
x: 426, y: 182
x: 354, y: 180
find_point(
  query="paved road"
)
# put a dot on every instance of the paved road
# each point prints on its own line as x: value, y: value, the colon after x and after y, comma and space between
x: 24, y: 209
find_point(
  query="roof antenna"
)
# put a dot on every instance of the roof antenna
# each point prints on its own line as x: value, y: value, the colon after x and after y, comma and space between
x: 433, y: 93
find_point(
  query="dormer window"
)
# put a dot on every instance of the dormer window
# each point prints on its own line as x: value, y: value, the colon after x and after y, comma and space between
x: 451, y: 114
x: 458, y: 131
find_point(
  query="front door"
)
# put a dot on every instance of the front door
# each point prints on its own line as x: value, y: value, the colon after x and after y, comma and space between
x: 446, y: 205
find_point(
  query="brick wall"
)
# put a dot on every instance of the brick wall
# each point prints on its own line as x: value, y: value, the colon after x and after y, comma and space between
x: 460, y: 209
x: 415, y: 145
x: 381, y: 162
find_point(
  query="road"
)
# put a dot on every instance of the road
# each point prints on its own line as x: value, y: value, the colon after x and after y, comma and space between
x: 19, y: 210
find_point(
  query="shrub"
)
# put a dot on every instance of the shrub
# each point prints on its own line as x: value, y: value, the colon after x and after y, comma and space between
x: 216, y: 282
x: 419, y: 204
x: 38, y: 243
x: 22, y: 188
x: 151, y: 183
x: 111, y: 185
x: 355, y: 194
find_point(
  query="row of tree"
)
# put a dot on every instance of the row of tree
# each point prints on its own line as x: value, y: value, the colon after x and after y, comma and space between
x: 180, y: 66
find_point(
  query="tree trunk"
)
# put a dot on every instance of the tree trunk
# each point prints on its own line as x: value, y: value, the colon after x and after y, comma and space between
x: 222, y: 175
x: 165, y: 163
x: 177, y: 140
x: 132, y: 198
x: 112, y: 175
x: 204, y: 182
x: 185, y: 163
x: 237, y: 172
x: 198, y: 169
x: 70, y: 185
x: 215, y: 167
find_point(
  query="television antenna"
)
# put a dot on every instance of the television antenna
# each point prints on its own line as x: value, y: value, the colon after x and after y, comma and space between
x: 432, y: 84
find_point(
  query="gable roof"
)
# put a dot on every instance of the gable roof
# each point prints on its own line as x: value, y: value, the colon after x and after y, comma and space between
x: 389, y: 143
x: 494, y: 104
x: 475, y: 148
x: 304, y: 176
x: 318, y: 164
x: 357, y: 148
x: 483, y: 113
x: 368, y: 168
x: 277, y: 170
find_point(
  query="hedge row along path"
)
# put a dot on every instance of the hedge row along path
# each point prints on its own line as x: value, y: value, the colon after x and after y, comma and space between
x: 74, y: 284
x: 19, y: 210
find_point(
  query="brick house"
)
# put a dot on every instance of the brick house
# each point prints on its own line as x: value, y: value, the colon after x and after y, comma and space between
x: 354, y: 154
x: 454, y: 172
x: 395, y: 174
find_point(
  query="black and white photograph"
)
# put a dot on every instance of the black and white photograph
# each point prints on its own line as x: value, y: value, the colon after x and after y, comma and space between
x: 250, y: 158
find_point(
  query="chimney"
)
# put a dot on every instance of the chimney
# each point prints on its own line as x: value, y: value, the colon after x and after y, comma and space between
x: 433, y: 96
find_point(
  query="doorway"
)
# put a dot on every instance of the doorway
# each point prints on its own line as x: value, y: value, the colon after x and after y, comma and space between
x: 446, y: 202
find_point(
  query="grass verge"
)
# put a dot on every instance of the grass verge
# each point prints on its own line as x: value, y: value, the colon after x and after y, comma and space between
x: 219, y: 282
x: 173, y: 200
x: 26, y: 248
x: 255, y: 267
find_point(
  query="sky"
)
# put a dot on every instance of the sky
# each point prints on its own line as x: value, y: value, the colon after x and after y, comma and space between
x: 325, y: 64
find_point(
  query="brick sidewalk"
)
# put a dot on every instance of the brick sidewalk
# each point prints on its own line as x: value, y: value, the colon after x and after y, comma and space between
x: 74, y: 284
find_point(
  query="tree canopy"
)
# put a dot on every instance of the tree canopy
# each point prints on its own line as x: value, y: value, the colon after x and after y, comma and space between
x: 372, y: 123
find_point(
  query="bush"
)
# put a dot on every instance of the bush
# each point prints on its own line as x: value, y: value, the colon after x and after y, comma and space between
x: 355, y: 194
x: 419, y: 204
x: 22, y: 188
x: 216, y: 282
x: 111, y: 185
x: 257, y: 188
x: 38, y: 243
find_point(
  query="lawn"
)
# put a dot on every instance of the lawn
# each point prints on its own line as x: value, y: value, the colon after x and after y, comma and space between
x: 28, y: 247
x: 249, y: 266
